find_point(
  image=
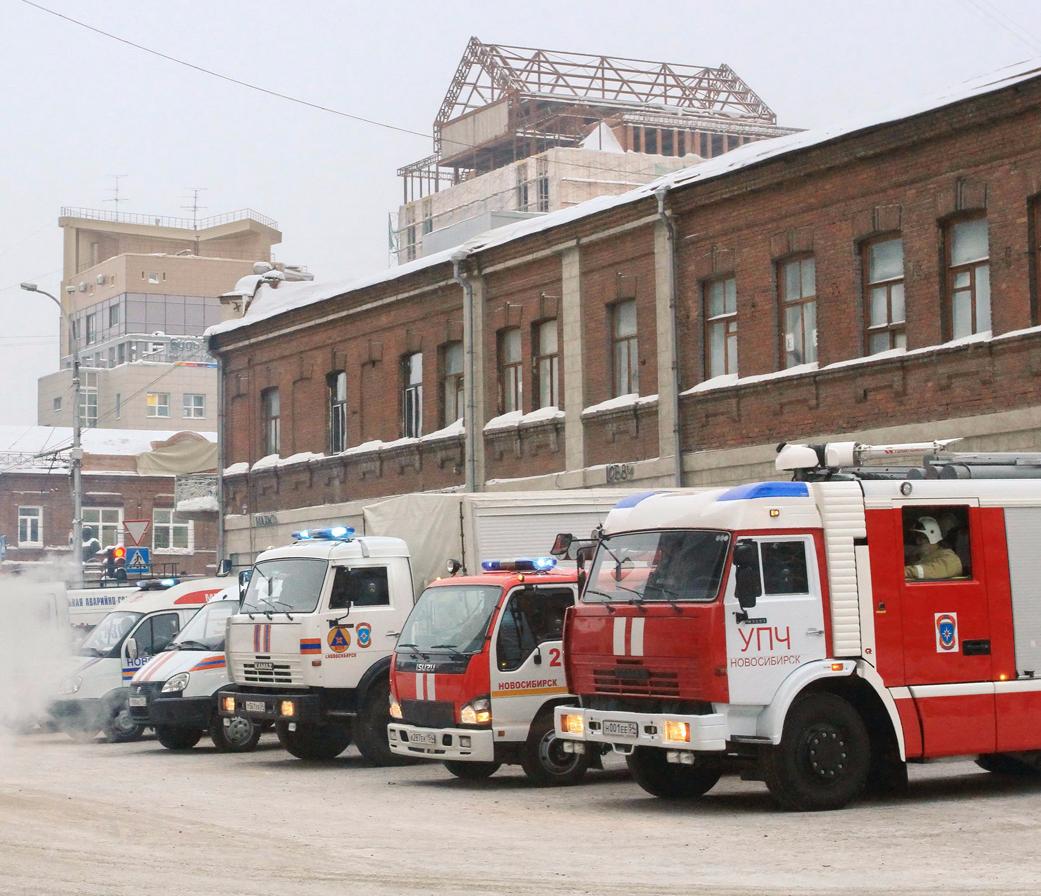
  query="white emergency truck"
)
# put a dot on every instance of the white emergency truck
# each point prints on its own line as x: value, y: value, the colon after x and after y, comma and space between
x: 176, y: 691
x: 311, y: 649
x: 93, y: 696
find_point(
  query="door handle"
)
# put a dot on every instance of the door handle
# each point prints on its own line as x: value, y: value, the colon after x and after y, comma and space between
x: 975, y: 648
x: 393, y: 634
x: 815, y: 631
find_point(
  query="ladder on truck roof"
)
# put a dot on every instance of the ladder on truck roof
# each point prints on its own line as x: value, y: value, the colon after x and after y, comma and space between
x: 845, y: 460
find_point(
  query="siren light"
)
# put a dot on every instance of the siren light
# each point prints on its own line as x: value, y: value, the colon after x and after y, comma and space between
x: 521, y: 564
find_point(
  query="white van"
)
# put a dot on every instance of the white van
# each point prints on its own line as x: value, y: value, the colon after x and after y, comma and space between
x: 176, y: 692
x: 93, y: 696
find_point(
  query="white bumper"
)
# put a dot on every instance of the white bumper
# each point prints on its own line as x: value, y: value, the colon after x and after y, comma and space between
x: 708, y: 733
x: 453, y: 744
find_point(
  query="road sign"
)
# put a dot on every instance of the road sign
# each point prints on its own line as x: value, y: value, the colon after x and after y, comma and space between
x: 136, y: 530
x: 138, y: 560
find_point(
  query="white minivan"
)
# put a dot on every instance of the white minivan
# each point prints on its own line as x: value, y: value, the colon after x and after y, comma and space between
x: 93, y: 696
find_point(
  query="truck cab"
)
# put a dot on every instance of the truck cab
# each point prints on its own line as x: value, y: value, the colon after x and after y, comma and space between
x: 311, y: 647
x: 176, y: 691
x: 478, y: 669
x: 93, y: 696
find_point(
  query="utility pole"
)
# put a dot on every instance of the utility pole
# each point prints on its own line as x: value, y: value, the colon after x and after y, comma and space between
x: 76, y: 453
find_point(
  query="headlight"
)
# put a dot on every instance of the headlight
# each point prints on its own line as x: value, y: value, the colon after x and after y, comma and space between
x: 176, y: 683
x: 477, y: 712
x: 228, y: 703
x: 395, y: 709
x: 70, y: 685
x: 572, y: 723
x: 677, y: 732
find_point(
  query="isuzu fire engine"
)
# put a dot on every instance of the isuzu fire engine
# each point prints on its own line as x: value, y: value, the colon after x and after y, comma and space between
x: 311, y: 647
x: 479, y: 668
x: 802, y: 629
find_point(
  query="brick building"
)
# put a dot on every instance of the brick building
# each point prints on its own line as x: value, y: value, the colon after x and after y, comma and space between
x: 127, y: 475
x: 877, y: 281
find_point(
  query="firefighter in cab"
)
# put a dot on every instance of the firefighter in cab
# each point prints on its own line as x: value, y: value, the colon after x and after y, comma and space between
x: 928, y: 556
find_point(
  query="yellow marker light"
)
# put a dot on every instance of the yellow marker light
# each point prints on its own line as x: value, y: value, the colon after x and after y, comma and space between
x: 677, y: 732
x: 286, y: 708
x: 395, y: 709
x: 774, y: 512
x: 837, y: 667
x: 572, y: 724
x: 229, y: 704
x: 1003, y: 677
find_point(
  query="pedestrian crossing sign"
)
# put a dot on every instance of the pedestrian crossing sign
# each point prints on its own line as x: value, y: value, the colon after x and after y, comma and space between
x: 138, y: 560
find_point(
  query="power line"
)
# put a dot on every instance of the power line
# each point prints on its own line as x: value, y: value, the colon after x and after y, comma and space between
x: 1006, y: 22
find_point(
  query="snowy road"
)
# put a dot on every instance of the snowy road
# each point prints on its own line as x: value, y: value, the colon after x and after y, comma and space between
x: 137, y: 819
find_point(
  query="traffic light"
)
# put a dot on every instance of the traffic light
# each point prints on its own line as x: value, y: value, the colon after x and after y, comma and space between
x: 115, y: 562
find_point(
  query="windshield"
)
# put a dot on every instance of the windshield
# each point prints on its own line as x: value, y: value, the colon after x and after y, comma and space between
x: 108, y: 634
x: 449, y: 618
x: 290, y: 585
x: 675, y: 564
x: 205, y: 631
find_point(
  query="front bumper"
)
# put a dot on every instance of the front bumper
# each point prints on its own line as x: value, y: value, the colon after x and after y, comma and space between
x: 452, y: 744
x: 271, y: 707
x: 181, y: 712
x: 707, y: 733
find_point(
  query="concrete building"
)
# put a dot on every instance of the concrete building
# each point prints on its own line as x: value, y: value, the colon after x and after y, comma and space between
x: 140, y: 291
x: 525, y: 131
x: 877, y: 281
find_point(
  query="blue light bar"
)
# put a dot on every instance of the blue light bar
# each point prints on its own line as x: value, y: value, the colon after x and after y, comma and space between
x: 330, y: 533
x: 765, y: 490
x: 521, y: 564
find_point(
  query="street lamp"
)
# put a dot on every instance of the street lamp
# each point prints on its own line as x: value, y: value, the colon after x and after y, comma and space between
x: 76, y: 455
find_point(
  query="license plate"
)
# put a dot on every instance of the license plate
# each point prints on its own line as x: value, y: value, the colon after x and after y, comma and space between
x: 621, y: 729
x: 139, y: 701
x: 261, y: 666
x: 256, y: 706
x: 426, y: 738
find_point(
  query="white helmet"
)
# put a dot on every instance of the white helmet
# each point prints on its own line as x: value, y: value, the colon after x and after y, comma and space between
x: 928, y: 527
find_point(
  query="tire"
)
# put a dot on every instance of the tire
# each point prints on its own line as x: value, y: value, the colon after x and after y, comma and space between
x: 370, y: 728
x: 668, y: 781
x: 823, y: 759
x: 1006, y: 764
x: 317, y: 742
x: 240, y: 735
x: 544, y: 760
x: 472, y: 771
x: 120, y: 727
x: 177, y: 738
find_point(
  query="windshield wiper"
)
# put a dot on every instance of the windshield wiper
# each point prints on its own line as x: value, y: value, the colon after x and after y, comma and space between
x: 451, y: 648
x: 414, y: 647
x: 189, y: 645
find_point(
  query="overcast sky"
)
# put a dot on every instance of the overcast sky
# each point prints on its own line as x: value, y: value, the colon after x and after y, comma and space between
x: 77, y: 107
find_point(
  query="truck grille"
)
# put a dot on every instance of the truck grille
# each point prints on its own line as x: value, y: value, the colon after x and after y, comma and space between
x: 280, y: 672
x: 636, y: 679
x: 428, y: 713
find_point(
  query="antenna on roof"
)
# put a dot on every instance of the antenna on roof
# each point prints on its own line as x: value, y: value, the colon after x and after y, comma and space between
x: 195, y: 207
x: 114, y: 190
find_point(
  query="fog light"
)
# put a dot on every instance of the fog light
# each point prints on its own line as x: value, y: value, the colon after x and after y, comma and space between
x: 570, y: 723
x: 287, y: 708
x: 228, y: 703
x: 677, y: 732
x: 464, y: 742
x: 395, y: 709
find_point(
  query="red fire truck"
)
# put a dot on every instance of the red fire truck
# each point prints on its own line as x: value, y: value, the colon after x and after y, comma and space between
x: 478, y: 669
x: 816, y: 634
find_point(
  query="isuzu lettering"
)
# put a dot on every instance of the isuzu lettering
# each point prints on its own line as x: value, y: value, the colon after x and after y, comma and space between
x: 818, y: 634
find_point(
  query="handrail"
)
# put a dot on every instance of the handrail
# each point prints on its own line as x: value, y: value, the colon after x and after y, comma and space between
x: 97, y: 214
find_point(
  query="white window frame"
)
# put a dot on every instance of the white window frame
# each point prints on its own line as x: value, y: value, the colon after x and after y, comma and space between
x: 100, y: 526
x: 153, y: 408
x: 163, y: 519
x: 37, y: 519
x: 188, y: 410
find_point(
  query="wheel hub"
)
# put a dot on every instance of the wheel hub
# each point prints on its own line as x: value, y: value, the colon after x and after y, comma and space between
x: 553, y: 757
x: 238, y: 730
x: 826, y: 752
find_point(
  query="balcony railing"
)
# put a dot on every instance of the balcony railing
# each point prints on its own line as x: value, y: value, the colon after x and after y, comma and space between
x: 96, y: 214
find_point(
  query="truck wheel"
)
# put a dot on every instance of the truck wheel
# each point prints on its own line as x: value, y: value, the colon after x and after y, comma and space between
x: 824, y: 756
x: 472, y: 771
x: 177, y: 738
x: 240, y: 735
x: 544, y: 760
x: 1007, y: 764
x: 370, y: 733
x: 669, y: 781
x: 121, y: 728
x: 315, y: 741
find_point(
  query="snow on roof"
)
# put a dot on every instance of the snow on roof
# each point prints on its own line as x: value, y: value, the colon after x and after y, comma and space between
x: 128, y: 442
x: 290, y: 296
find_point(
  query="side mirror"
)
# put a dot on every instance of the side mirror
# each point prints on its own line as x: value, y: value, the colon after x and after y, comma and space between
x: 747, y: 586
x: 132, y: 652
x: 224, y: 567
x: 244, y: 577
x: 562, y: 544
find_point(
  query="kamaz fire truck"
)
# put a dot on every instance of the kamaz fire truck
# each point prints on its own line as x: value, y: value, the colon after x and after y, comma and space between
x: 479, y: 668
x: 311, y: 647
x: 802, y: 632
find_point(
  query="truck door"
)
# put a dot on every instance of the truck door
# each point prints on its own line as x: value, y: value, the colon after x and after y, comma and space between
x: 367, y: 608
x: 945, y: 623
x: 527, y: 663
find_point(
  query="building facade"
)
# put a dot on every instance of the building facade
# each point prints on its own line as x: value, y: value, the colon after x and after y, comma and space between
x: 877, y: 282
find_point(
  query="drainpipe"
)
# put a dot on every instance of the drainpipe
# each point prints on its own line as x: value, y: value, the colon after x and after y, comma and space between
x: 220, y: 459
x: 674, y: 372
x: 469, y: 372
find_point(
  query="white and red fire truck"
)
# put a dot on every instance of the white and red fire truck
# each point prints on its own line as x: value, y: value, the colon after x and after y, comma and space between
x: 787, y: 626
x: 479, y: 668
x: 311, y: 647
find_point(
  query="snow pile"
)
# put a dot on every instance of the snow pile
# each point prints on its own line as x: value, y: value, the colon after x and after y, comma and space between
x: 237, y: 469
x: 452, y: 431
x: 201, y: 504
x: 621, y: 402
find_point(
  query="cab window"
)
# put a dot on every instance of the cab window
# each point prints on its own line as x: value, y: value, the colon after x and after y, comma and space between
x: 529, y: 618
x: 156, y: 633
x: 780, y: 566
x: 364, y: 586
x: 936, y: 542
